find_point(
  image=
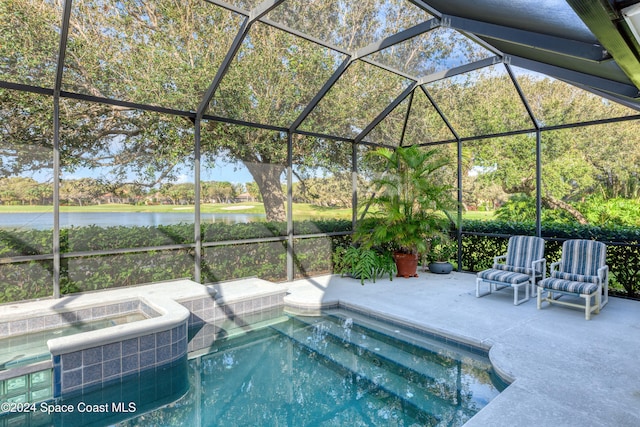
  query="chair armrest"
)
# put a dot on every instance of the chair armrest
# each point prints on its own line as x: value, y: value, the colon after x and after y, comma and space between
x: 554, y: 266
x: 542, y: 267
x: 603, y: 274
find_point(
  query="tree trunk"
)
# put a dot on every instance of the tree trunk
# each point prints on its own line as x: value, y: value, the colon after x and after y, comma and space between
x: 559, y: 204
x: 267, y: 177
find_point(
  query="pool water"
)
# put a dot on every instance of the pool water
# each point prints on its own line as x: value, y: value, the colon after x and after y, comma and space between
x: 31, y: 348
x: 341, y: 369
x: 337, y: 370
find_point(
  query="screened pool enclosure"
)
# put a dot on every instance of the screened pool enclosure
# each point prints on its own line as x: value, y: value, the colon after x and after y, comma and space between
x: 153, y: 140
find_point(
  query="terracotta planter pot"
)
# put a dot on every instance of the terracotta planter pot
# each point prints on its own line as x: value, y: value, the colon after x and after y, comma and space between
x: 407, y: 264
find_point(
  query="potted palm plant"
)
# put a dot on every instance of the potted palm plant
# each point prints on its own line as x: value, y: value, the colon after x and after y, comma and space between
x: 406, y: 207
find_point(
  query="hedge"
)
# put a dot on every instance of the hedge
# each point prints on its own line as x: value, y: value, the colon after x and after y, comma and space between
x: 481, y: 241
x: 267, y: 260
x: 623, y: 248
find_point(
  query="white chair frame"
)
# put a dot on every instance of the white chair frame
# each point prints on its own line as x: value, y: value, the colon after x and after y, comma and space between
x: 600, y: 299
x: 530, y: 284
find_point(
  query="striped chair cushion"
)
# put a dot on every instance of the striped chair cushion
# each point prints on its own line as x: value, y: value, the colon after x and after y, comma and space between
x: 514, y: 269
x: 493, y: 275
x: 583, y: 257
x: 522, y: 251
x: 575, y: 277
x: 568, y: 286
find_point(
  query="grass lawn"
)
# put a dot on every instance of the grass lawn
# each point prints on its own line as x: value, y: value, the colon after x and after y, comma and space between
x: 300, y: 210
x: 479, y: 215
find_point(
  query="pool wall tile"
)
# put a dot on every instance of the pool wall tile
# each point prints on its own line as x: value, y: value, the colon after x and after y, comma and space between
x: 70, y: 360
x: 35, y: 324
x: 128, y: 306
x: 84, y: 314
x: 111, y: 368
x: 163, y: 354
x: 241, y: 308
x: 18, y: 327
x: 174, y: 350
x: 163, y: 338
x: 98, y: 312
x: 91, y: 374
x: 147, y: 342
x: 69, y: 317
x: 72, y: 379
x: 148, y: 358
x: 130, y: 346
x: 91, y: 356
x: 112, y: 310
x: 231, y: 314
x: 218, y: 312
x: 194, y: 319
x: 182, y: 332
x: 57, y: 385
x: 130, y: 363
x: 112, y: 351
x: 52, y: 321
x: 93, y: 366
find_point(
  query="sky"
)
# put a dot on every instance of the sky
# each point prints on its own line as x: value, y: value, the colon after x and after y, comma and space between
x: 237, y: 174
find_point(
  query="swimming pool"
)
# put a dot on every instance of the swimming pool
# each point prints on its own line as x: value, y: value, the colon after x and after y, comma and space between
x: 339, y: 369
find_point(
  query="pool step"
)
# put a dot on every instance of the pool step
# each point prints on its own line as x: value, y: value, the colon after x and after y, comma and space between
x: 435, y: 369
x: 424, y: 340
x: 367, y: 368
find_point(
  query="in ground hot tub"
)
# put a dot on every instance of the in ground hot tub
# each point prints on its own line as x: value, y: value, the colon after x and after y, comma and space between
x: 61, y: 350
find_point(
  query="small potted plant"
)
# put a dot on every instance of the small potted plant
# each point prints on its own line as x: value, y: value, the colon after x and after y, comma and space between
x: 441, y: 251
x: 363, y: 264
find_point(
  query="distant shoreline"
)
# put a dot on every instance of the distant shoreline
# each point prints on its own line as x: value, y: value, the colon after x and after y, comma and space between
x: 299, y: 209
x: 114, y: 207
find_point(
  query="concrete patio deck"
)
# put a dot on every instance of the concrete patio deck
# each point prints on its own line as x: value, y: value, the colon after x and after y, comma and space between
x: 566, y: 371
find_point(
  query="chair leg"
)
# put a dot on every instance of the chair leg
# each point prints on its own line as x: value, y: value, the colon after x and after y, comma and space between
x: 516, y: 301
x: 587, y: 304
x: 534, y: 288
x: 605, y: 298
x: 478, y: 294
x: 539, y: 299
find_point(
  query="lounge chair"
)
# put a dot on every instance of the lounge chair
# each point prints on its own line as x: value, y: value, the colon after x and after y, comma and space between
x: 582, y: 272
x: 521, y: 266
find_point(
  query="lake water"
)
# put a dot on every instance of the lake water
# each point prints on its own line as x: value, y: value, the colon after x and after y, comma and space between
x: 43, y: 221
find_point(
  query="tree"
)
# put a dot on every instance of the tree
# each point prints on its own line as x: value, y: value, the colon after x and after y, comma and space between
x: 167, y: 53
x: 179, y: 193
x: 577, y: 163
x: 81, y: 191
x: 220, y: 192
